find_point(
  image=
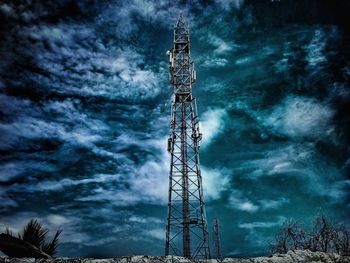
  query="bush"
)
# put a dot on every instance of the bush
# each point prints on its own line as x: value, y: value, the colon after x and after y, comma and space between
x: 324, y: 236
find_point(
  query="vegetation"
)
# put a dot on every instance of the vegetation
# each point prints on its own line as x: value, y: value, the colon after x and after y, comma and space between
x: 324, y: 236
x: 35, y: 234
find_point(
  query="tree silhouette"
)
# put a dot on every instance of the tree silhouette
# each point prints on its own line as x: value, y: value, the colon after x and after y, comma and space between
x: 35, y: 234
x: 324, y: 236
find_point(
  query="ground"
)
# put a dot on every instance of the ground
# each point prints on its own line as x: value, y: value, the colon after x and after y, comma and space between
x: 290, y: 257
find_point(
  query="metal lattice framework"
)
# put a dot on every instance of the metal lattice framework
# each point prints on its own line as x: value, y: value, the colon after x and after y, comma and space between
x: 187, y: 233
x: 217, y: 240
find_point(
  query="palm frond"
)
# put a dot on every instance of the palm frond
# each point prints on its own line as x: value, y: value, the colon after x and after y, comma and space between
x: 34, y: 233
x: 8, y: 231
x: 51, y: 247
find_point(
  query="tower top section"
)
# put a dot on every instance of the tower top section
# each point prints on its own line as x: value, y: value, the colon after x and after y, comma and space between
x: 181, y: 69
x: 181, y: 31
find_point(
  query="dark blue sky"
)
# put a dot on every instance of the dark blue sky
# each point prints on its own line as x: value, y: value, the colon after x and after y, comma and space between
x: 85, y: 106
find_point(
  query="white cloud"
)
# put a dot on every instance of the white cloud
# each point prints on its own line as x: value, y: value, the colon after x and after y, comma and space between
x: 101, y: 241
x: 301, y: 161
x: 341, y: 89
x: 56, y: 35
x: 300, y: 117
x: 164, y: 13
x: 143, y: 183
x: 273, y: 204
x: 8, y: 10
x: 118, y: 197
x: 233, y: 253
x: 57, y: 220
x: 147, y: 183
x: 11, y: 170
x: 244, y: 60
x: 339, y: 190
x: 97, y: 69
x: 247, y: 206
x: 259, y: 239
x: 137, y: 219
x: 213, y: 62
x: 215, y: 181
x: 253, y: 225
x: 152, y: 177
x: 212, y: 124
x: 133, y: 77
x: 6, y: 202
x: 228, y: 4
x: 60, y: 185
x: 315, y: 49
x: 144, y: 220
x: 286, y: 159
x: 222, y: 47
x: 239, y: 202
x: 157, y: 233
x: 70, y: 125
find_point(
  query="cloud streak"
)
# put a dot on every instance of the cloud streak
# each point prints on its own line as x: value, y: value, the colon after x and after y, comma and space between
x: 299, y: 117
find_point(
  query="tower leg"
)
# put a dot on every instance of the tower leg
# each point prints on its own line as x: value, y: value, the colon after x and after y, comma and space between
x: 185, y: 200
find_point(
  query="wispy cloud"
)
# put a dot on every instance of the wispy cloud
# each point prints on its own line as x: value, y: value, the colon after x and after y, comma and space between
x: 215, y: 182
x: 157, y: 233
x: 97, y: 70
x: 12, y: 170
x: 212, y: 124
x: 339, y: 191
x: 221, y: 46
x: 273, y: 204
x: 213, y: 62
x: 238, y: 200
x: 6, y: 201
x: 316, y: 56
x: 301, y: 117
x: 269, y: 224
x: 299, y: 161
x: 228, y: 4
x: 69, y: 126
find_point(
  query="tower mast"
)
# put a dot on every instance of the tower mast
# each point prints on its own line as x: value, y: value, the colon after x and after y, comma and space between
x: 186, y: 232
x: 217, y: 240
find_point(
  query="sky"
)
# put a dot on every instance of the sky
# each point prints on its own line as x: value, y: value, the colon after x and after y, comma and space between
x: 85, y: 110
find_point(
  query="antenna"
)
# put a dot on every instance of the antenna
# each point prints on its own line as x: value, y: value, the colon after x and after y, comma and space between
x: 186, y: 231
x: 217, y: 240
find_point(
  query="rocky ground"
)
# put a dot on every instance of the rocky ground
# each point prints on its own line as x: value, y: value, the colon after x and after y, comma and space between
x: 290, y: 257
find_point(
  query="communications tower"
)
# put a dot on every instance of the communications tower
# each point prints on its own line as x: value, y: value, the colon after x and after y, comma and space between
x: 217, y: 241
x: 186, y: 232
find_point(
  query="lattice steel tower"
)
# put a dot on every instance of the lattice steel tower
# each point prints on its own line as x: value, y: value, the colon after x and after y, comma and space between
x: 217, y: 241
x: 187, y: 233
